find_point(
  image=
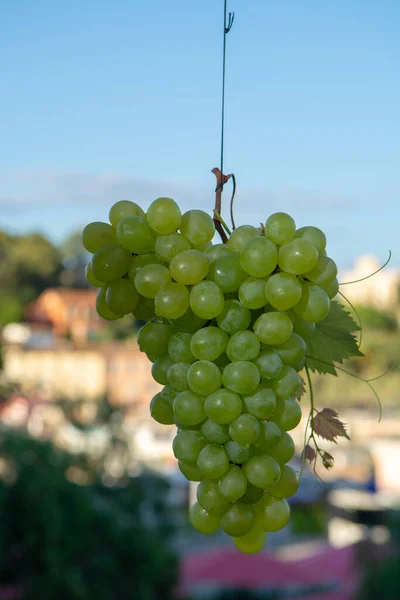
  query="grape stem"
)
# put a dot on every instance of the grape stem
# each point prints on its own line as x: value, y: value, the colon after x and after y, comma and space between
x: 221, y: 180
x: 220, y: 219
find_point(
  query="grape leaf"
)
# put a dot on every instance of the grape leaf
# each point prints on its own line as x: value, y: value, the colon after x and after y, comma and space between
x: 326, y: 425
x: 309, y: 453
x: 333, y: 342
x: 301, y: 390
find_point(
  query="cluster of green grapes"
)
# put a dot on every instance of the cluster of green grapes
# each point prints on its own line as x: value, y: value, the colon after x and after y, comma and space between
x: 226, y: 329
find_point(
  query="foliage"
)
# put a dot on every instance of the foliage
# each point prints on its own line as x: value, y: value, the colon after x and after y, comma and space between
x: 374, y: 318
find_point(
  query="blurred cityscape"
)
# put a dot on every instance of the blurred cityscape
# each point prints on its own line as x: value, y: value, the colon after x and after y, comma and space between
x: 93, y: 505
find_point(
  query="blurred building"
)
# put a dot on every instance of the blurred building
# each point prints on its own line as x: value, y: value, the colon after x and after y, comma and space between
x: 380, y: 291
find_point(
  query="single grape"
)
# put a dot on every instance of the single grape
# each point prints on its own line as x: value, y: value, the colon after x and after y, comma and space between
x: 273, y: 328
x: 223, y: 406
x: 217, y: 250
x: 287, y: 485
x: 286, y: 384
x: 270, y: 435
x: 262, y: 471
x: 177, y: 376
x: 233, y: 484
x: 191, y: 472
x: 283, y: 290
x: 237, y: 454
x: 293, y: 350
x: 219, y: 434
x: 202, y: 520
x: 313, y: 235
x: 284, y: 450
x: 153, y: 338
x: 122, y: 297
x: 187, y: 445
x: 253, y: 494
x: 110, y: 263
x: 287, y: 414
x: 164, y: 216
x: 197, y: 226
x: 172, y: 301
x: 213, y: 461
x: 238, y: 520
x: 189, y: 267
x: 122, y: 209
x: 168, y: 394
x: 324, y: 271
x: 304, y: 329
x: 280, y: 228
x: 134, y: 234
x: 142, y: 260
x: 269, y: 364
x: 234, y: 317
x: 102, y: 307
x: 241, y: 377
x: 240, y: 236
x: 245, y: 430
x: 261, y: 403
x: 243, y: 345
x: 208, y: 343
x: 97, y: 235
x: 297, y: 256
x: 252, y: 542
x: 90, y: 278
x: 227, y: 273
x: 159, y: 369
x: 259, y: 257
x: 161, y: 410
x: 150, y: 279
x: 204, y: 377
x: 314, y: 304
x: 252, y: 292
x: 168, y: 246
x: 145, y: 310
x: 206, y: 300
x: 179, y: 347
x: 331, y: 288
x: 210, y: 497
x: 300, y: 365
x: 189, y: 322
x: 274, y: 514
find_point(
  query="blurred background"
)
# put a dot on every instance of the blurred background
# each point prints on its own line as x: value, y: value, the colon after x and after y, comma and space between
x: 106, y: 101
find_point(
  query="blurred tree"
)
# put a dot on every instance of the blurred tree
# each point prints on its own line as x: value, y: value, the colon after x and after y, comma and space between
x: 373, y: 318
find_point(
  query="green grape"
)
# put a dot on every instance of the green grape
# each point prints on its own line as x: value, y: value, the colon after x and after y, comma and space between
x: 202, y: 520
x: 97, y: 235
x: 215, y: 251
x: 253, y: 494
x: 233, y: 484
x: 240, y: 236
x: 177, y: 376
x: 287, y: 485
x: 168, y: 246
x: 287, y: 414
x: 202, y: 247
x: 227, y: 273
x: 206, y: 300
x: 189, y: 408
x: 223, y: 406
x: 270, y: 435
x: 134, y: 234
x: 269, y: 364
x: 179, y: 347
x: 161, y: 410
x: 314, y: 304
x: 284, y: 450
x: 210, y: 497
x: 191, y: 472
x: 283, y: 290
x: 151, y: 357
x: 241, y: 377
x: 252, y: 293
x: 252, y: 542
x: 273, y: 328
x: 110, y: 263
x: 261, y: 403
x: 169, y: 394
x: 142, y: 260
x: 304, y: 329
x: 287, y: 383
x: 245, y: 430
x: 187, y: 445
x: 122, y: 297
x: 197, y: 226
x: 204, y: 377
x: 122, y: 209
x: 297, y: 256
x: 243, y: 345
x: 238, y: 520
x: 324, y: 271
x: 222, y: 361
x: 145, y: 310
x: 153, y: 338
x: 172, y: 301
x: 150, y: 279
x: 102, y: 308
x: 331, y: 288
x: 219, y: 434
x: 313, y: 235
x: 90, y: 278
x: 259, y: 257
x: 300, y: 365
x: 262, y: 471
x: 189, y: 322
x: 159, y: 369
x: 274, y: 514
x: 293, y: 350
x: 164, y: 216
x: 189, y: 267
x: 213, y: 461
x: 280, y: 228
x: 208, y: 343
x: 234, y: 317
x: 237, y: 454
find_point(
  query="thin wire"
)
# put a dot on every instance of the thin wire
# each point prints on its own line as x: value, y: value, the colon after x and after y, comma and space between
x: 227, y: 28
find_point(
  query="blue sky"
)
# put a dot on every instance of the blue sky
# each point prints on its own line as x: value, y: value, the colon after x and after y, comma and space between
x: 104, y: 100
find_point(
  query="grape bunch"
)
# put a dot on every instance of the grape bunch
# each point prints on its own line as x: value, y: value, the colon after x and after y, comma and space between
x: 226, y: 330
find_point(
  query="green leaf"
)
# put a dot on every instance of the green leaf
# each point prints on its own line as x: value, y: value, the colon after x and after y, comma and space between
x: 334, y: 341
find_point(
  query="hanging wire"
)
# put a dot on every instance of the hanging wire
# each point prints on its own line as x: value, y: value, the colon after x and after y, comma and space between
x: 227, y: 27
